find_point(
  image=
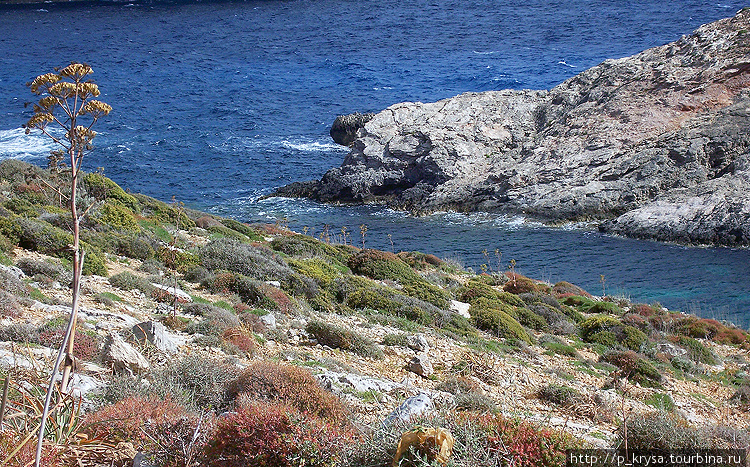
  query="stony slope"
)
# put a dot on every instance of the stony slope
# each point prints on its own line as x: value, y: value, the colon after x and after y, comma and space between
x: 656, y: 145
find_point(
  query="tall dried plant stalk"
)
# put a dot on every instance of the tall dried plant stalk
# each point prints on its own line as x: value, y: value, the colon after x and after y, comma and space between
x: 67, y: 104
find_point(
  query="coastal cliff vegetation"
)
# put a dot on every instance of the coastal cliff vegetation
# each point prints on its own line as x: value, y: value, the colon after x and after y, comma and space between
x: 208, y: 341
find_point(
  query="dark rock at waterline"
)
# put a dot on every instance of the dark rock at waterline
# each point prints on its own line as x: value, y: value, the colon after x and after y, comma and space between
x: 344, y: 128
x: 655, y: 146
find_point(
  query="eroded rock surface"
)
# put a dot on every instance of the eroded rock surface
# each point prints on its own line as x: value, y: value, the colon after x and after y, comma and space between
x: 656, y: 144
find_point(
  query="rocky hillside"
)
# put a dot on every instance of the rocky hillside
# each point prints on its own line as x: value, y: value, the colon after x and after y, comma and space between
x: 655, y: 145
x: 206, y: 341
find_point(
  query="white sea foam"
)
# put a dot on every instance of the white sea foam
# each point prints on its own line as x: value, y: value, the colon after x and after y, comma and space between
x: 16, y: 144
x: 312, y: 146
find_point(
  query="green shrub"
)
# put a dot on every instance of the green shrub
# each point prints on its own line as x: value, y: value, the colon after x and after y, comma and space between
x: 308, y: 247
x: 395, y: 340
x: 53, y: 270
x: 242, y: 228
x: 21, y: 207
x: 163, y: 212
x: 10, y: 230
x: 384, y: 300
x: 344, y: 339
x: 115, y: 216
x: 248, y: 260
x: 102, y: 188
x: 476, y: 288
x: 530, y: 319
x: 381, y: 265
x: 660, y: 430
x: 603, y: 307
x: 661, y: 401
x: 633, y: 366
x: 43, y: 237
x: 130, y: 245
x: 220, y: 231
x: 561, y: 349
x: 94, y: 261
x: 696, y: 350
x: 610, y: 332
x: 597, y: 324
x: 563, y: 396
x: 486, y: 315
x: 317, y: 269
x: 128, y: 281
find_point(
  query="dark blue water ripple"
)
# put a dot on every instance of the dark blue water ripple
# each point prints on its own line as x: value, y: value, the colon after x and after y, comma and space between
x: 217, y: 103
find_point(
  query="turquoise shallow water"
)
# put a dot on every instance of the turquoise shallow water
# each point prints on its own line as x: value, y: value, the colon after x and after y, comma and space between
x: 217, y: 103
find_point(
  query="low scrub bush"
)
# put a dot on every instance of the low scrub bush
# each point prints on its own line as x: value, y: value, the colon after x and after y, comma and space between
x: 308, y: 247
x: 660, y: 430
x: 215, y: 322
x: 563, y: 396
x: 251, y: 233
x: 129, y: 419
x: 476, y: 288
x: 53, y: 270
x: 486, y: 315
x: 129, y: 281
x: 194, y: 381
x: 611, y: 333
x: 419, y: 260
x: 114, y: 216
x: 254, y: 262
x: 344, y: 339
x: 102, y: 188
x: 268, y: 434
x: 518, y: 284
x: 567, y: 289
x: 291, y: 385
x: 85, y: 346
x: 239, y: 341
x: 696, y: 350
x: 634, y: 367
x: 381, y: 265
x: 21, y: 332
x: 486, y: 440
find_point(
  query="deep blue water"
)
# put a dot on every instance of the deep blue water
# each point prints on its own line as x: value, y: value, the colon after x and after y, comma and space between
x: 217, y: 103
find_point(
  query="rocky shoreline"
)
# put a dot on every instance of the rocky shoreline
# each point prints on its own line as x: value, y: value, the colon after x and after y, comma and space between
x: 650, y: 146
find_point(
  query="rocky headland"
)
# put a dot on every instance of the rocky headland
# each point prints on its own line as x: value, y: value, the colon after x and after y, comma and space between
x: 652, y: 146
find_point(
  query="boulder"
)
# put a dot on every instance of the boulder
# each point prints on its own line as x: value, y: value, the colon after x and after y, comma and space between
x: 421, y: 365
x: 412, y: 406
x: 154, y: 333
x: 417, y: 342
x: 123, y: 357
x: 344, y: 128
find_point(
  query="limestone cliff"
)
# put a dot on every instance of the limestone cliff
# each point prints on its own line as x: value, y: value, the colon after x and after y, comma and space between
x: 656, y: 145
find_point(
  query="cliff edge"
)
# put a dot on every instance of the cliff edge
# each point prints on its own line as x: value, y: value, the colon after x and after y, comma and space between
x: 654, y: 146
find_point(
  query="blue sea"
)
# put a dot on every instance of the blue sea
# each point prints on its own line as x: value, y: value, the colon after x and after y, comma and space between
x: 216, y: 103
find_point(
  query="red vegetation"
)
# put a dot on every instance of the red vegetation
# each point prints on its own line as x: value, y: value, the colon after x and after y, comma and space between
x: 292, y: 385
x: 267, y: 434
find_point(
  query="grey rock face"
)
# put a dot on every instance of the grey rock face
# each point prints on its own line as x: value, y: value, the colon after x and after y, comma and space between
x: 656, y: 144
x: 417, y: 342
x: 345, y: 127
x: 122, y: 356
x: 154, y: 333
x: 421, y: 365
x: 412, y: 406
